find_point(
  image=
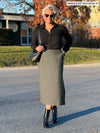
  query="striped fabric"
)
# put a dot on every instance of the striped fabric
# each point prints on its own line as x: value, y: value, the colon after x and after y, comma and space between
x: 52, y: 90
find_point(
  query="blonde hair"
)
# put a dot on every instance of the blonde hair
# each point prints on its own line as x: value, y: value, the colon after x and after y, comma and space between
x: 51, y: 7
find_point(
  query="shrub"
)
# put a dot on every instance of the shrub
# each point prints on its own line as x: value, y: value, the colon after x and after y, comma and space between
x: 6, y: 37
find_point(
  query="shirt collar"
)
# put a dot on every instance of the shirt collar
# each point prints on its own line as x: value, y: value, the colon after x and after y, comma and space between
x: 43, y: 25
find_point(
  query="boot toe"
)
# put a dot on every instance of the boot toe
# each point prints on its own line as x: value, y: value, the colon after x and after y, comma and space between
x: 45, y: 125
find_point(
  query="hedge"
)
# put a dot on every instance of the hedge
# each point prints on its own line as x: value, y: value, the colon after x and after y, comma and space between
x: 6, y: 37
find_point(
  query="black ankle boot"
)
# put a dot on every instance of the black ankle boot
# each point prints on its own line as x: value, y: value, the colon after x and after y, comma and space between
x: 54, y: 114
x: 46, y: 119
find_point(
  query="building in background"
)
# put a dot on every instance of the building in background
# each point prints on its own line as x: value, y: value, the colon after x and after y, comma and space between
x: 88, y: 35
x: 23, y: 33
x: 16, y: 22
x: 94, y: 23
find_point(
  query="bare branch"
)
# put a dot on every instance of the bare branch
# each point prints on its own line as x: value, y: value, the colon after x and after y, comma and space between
x: 19, y: 6
x: 31, y: 5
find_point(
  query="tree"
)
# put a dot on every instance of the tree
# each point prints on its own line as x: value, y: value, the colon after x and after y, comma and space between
x: 73, y: 14
x: 39, y: 4
x: 76, y: 14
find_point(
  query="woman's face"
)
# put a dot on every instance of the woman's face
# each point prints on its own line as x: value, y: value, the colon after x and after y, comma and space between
x: 48, y: 16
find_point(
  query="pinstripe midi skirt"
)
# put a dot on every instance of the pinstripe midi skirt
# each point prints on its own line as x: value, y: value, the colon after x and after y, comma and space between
x: 50, y: 66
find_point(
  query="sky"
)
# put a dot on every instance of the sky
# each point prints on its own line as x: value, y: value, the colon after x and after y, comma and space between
x: 3, y: 3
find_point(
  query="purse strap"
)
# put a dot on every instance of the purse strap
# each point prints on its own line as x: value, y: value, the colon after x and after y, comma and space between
x: 39, y: 37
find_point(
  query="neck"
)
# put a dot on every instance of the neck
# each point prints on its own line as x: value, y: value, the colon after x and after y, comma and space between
x: 48, y: 25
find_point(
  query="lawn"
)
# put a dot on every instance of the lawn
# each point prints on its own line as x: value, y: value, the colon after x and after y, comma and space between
x: 16, y: 56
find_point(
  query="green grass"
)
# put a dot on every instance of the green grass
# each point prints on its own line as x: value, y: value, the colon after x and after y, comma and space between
x: 12, y: 56
x: 16, y: 56
x: 82, y: 55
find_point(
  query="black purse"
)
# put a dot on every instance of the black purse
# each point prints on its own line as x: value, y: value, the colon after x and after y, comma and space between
x: 35, y: 56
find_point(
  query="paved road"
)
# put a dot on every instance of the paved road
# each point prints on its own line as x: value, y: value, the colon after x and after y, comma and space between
x: 22, y: 112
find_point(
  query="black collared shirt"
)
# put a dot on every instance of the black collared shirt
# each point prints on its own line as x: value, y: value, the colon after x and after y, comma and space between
x: 52, y: 40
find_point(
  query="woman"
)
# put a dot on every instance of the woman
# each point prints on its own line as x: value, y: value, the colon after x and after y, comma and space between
x: 52, y: 90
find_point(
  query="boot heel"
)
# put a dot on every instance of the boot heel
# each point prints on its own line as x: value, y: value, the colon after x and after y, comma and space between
x: 46, y: 119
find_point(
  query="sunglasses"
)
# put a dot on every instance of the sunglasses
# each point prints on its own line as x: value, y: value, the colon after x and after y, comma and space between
x: 47, y: 15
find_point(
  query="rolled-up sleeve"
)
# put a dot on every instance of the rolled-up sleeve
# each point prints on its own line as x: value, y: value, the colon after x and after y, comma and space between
x: 34, y: 42
x: 68, y: 38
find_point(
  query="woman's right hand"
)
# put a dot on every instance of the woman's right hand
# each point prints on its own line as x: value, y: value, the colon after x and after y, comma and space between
x: 39, y: 48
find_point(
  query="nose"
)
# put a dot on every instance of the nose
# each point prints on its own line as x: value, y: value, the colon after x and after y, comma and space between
x: 49, y: 17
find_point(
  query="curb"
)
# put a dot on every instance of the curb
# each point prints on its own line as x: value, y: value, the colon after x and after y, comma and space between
x: 35, y: 67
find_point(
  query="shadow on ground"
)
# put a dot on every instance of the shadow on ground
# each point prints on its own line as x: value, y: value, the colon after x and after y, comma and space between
x: 69, y: 117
